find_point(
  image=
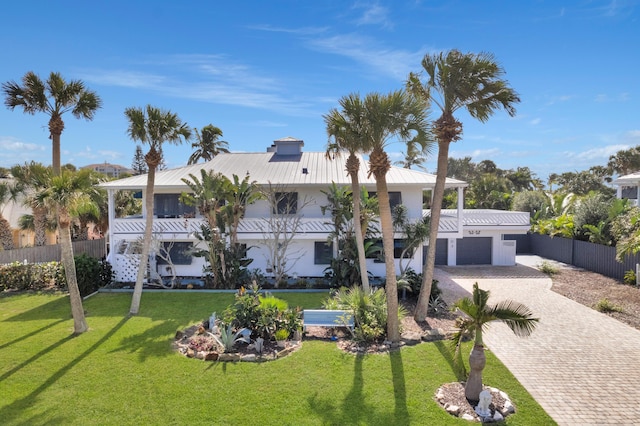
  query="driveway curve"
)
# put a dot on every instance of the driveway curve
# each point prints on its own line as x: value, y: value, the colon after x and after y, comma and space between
x: 579, y: 364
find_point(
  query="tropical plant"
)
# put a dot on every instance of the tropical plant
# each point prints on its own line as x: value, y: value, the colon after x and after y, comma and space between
x: 477, y: 315
x: 606, y: 306
x: 228, y: 337
x: 548, y: 268
x: 154, y: 127
x: 207, y: 144
x: 414, y: 233
x: 456, y: 81
x: 369, y: 310
x: 346, y: 131
x: 399, y: 116
x: 29, y: 178
x: 54, y: 97
x: 64, y: 193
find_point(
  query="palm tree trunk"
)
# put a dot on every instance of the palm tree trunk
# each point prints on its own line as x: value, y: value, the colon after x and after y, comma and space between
x: 391, y: 286
x: 40, y: 226
x: 146, y: 244
x: 66, y: 248
x: 477, y: 361
x: 422, y: 306
x: 362, y: 260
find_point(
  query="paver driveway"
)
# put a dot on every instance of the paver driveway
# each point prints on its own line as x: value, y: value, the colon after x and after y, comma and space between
x: 580, y: 365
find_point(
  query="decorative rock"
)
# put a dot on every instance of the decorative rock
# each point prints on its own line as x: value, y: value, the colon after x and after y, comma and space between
x: 433, y: 335
x: 211, y: 356
x: 440, y: 394
x: 452, y: 409
x: 285, y: 352
x: 179, y: 335
x: 508, y: 408
x: 497, y: 417
x: 229, y: 357
x: 469, y: 417
x: 249, y: 358
x: 191, y: 353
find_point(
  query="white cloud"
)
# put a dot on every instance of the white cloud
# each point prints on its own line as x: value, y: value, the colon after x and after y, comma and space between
x: 298, y: 31
x: 394, y: 63
x: 535, y: 121
x: 209, y: 78
x: 374, y: 14
x: 602, y: 153
x: 9, y: 143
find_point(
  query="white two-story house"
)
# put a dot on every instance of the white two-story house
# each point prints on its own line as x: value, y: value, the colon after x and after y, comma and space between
x: 465, y: 236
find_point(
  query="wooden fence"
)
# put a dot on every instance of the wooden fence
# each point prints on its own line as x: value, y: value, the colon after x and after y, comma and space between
x: 93, y: 248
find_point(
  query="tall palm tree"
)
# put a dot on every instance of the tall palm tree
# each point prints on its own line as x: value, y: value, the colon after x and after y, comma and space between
x: 31, y: 177
x: 456, y: 81
x: 477, y: 315
x: 346, y: 133
x: 54, y: 97
x: 401, y: 116
x: 151, y: 126
x: 64, y: 194
x: 207, y: 145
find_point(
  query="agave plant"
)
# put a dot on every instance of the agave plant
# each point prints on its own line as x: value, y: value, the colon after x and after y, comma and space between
x: 477, y: 316
x: 228, y: 338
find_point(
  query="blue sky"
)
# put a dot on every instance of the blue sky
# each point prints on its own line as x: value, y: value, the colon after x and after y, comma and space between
x: 265, y: 70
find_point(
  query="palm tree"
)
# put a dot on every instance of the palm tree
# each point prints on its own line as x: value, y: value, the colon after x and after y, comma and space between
x: 209, y: 194
x: 6, y: 237
x: 477, y: 316
x: 151, y: 126
x: 64, y: 194
x: 208, y: 145
x: 401, y: 116
x: 31, y: 177
x: 455, y: 81
x: 346, y: 133
x: 53, y: 97
x: 413, y: 157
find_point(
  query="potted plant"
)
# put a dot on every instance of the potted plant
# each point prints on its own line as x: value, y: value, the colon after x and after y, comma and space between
x: 281, y: 336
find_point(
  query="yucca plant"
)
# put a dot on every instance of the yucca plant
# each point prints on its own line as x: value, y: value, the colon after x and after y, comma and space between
x: 477, y: 315
x: 228, y: 338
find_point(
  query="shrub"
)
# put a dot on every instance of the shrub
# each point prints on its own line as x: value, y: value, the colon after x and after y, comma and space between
x: 263, y: 315
x: 369, y: 311
x: 548, y: 268
x: 630, y: 277
x: 606, y: 306
x: 92, y: 273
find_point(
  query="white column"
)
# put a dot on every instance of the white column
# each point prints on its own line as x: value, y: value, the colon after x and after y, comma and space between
x: 460, y: 209
x: 111, y: 214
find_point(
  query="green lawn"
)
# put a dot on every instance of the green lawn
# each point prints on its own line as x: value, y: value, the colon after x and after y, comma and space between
x: 123, y: 372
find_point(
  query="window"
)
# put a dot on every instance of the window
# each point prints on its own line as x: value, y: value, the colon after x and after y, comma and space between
x: 395, y: 198
x: 169, y: 206
x: 378, y: 255
x: 286, y: 203
x: 179, y: 252
x: 322, y: 253
x: 398, y: 246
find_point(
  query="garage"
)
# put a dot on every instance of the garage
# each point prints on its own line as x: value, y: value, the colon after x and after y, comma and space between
x: 474, y: 251
x: 441, y: 252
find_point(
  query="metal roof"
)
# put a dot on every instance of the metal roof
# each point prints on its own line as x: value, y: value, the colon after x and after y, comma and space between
x: 630, y: 179
x: 307, y: 168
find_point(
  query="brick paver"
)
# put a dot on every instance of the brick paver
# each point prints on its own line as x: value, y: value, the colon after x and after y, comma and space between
x: 580, y: 365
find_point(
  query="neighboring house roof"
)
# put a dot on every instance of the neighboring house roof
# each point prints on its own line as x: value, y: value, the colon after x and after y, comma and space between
x: 628, y: 180
x: 113, y: 170
x: 305, y: 168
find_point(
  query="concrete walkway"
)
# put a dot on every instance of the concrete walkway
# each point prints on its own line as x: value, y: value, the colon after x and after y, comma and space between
x: 580, y: 365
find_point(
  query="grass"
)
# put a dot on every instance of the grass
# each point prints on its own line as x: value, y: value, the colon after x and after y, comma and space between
x: 123, y: 372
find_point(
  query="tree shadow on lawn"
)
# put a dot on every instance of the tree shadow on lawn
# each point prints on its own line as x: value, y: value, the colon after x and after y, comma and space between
x: 355, y: 410
x: 32, y: 333
x: 9, y: 412
x: 59, y: 308
x: 152, y: 342
x: 448, y: 355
